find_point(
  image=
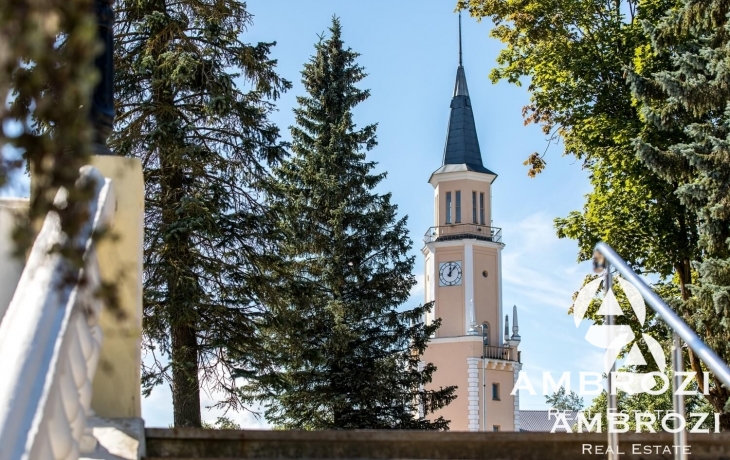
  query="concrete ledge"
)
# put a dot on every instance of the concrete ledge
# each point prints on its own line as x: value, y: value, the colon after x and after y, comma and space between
x: 116, y: 439
x: 198, y: 443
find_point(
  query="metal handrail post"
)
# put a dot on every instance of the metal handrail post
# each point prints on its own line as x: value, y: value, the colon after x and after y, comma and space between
x: 700, y: 348
x: 680, y: 437
x: 613, y: 452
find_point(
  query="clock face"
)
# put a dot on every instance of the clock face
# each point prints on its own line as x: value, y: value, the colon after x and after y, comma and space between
x: 450, y: 273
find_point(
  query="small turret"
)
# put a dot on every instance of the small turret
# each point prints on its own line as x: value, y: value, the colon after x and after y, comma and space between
x: 515, y: 328
x: 473, y: 329
x: 506, y: 328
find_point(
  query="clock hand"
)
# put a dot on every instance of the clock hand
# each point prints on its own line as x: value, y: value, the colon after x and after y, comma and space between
x: 451, y: 269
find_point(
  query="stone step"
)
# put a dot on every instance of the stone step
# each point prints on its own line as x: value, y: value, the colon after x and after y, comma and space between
x: 189, y: 444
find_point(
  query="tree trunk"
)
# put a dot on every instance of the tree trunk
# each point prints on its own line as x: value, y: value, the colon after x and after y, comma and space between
x: 185, y: 384
x: 177, y: 259
x: 182, y: 296
x: 718, y: 394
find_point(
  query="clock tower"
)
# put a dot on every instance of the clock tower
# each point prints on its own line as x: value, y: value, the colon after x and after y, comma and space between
x: 474, y: 348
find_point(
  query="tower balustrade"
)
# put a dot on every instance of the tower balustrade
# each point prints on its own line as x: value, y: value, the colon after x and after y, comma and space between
x: 462, y: 232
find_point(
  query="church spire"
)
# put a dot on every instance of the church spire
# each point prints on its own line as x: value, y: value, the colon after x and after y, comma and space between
x: 462, y: 144
x: 460, y: 88
x: 460, y: 61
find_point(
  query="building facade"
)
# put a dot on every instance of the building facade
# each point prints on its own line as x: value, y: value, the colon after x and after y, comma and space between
x: 474, y: 349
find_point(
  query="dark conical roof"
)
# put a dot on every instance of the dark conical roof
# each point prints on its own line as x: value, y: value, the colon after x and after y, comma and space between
x: 462, y: 151
x: 462, y: 144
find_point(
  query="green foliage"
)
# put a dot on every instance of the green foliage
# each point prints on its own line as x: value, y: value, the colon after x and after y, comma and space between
x: 656, y: 148
x: 691, y: 93
x: 561, y: 401
x: 344, y: 354
x: 222, y: 423
x: 574, y: 54
x: 47, y: 49
x: 193, y: 102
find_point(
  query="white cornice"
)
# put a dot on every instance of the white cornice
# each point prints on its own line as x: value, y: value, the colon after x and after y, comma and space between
x: 460, y: 242
x: 460, y: 175
x: 461, y: 338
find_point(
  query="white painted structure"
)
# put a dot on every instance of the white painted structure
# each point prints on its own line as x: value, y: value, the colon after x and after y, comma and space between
x: 51, y: 326
x: 51, y: 333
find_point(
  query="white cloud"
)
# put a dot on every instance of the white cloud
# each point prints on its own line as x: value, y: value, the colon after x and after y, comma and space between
x: 418, y: 290
x: 540, y: 275
x: 539, y: 266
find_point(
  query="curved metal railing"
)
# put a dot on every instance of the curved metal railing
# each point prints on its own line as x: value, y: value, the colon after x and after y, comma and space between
x: 693, y: 341
x: 681, y: 331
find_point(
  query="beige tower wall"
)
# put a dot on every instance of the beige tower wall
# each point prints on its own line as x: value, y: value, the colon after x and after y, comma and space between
x: 449, y: 299
x: 466, y: 186
x: 457, y: 355
x: 486, y: 290
x: 450, y: 358
x: 499, y: 413
x: 450, y: 361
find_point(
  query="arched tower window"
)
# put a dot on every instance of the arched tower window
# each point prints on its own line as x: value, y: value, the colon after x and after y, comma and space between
x: 481, y: 208
x: 448, y: 207
x: 474, y: 208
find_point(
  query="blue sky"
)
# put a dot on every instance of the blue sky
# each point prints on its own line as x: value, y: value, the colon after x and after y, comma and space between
x: 409, y: 49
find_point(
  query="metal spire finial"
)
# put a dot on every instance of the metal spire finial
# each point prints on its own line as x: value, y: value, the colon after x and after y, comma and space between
x: 460, y: 62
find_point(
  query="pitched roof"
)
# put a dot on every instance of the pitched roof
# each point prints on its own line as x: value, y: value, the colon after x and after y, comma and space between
x: 543, y: 421
x: 462, y: 143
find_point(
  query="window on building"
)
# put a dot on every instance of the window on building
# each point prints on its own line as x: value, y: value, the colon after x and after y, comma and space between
x: 458, y: 207
x: 474, y: 207
x: 495, y: 427
x: 481, y: 208
x: 495, y: 391
x: 448, y: 207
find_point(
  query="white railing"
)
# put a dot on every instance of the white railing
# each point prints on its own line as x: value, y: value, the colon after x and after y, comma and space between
x: 50, y: 340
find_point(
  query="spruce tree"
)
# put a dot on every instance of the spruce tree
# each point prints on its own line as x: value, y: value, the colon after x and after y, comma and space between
x: 344, y: 355
x: 693, y: 93
x: 193, y: 102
